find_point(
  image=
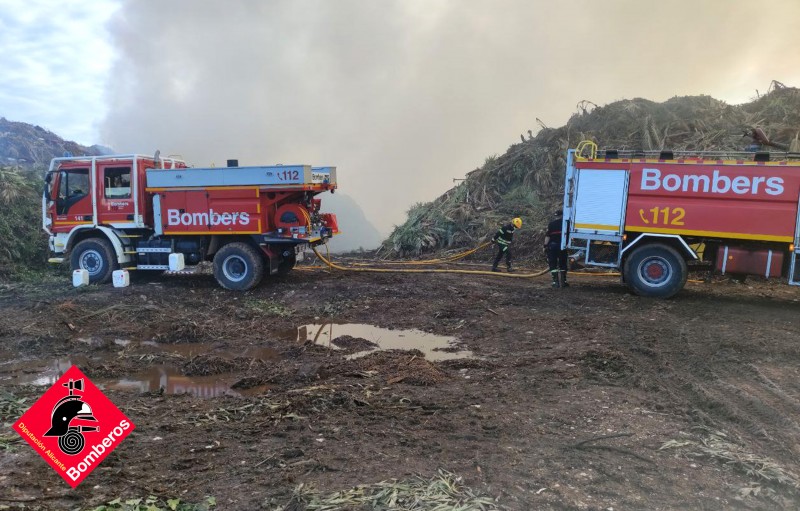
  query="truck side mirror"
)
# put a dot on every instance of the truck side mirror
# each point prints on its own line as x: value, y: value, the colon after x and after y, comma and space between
x: 47, y: 180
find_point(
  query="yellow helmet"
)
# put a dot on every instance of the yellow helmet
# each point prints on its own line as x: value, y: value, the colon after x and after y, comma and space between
x: 517, y: 222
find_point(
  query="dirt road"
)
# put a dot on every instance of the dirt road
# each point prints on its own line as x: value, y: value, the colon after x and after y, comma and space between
x: 582, y: 398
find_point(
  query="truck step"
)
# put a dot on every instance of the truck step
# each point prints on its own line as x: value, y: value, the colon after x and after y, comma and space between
x: 56, y: 260
x: 186, y: 271
x: 153, y: 250
x: 153, y: 267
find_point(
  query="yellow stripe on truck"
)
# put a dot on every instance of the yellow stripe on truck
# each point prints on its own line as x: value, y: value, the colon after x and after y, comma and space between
x: 597, y: 227
x: 713, y: 234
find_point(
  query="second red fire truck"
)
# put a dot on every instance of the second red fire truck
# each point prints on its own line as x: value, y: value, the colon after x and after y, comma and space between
x: 653, y: 215
x: 151, y: 213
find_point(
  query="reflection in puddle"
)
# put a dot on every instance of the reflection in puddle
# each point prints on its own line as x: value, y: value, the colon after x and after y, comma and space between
x: 154, y: 379
x: 173, y: 382
x: 189, y: 350
x: 435, y: 347
x: 31, y: 372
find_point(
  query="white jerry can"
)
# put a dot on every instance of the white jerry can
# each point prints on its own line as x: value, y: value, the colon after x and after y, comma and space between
x: 80, y: 278
x: 121, y: 278
x: 176, y: 262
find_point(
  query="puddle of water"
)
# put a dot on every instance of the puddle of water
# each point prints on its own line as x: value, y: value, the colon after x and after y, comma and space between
x: 34, y: 372
x: 435, y: 347
x: 31, y: 372
x: 173, y: 382
x: 155, y: 378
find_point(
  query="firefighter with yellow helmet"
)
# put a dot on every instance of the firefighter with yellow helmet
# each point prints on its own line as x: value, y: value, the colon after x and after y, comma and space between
x: 503, y: 238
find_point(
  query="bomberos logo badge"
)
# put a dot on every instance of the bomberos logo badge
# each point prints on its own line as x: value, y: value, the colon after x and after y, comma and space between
x: 73, y: 426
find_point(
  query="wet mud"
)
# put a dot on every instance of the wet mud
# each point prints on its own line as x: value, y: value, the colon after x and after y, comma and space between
x: 580, y: 398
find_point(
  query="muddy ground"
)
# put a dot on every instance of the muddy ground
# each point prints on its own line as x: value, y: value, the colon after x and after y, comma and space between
x: 581, y: 398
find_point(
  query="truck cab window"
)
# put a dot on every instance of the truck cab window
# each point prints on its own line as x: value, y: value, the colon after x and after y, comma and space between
x: 73, y: 185
x: 117, y: 182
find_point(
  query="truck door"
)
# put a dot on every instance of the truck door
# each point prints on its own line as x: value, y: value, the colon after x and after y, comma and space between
x: 73, y: 199
x: 595, y: 196
x: 115, y: 193
x: 599, y: 201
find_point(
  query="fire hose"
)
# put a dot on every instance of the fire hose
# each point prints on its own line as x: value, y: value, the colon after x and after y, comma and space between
x: 334, y: 266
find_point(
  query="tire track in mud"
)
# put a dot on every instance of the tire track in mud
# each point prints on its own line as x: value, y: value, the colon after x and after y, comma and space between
x: 779, y: 390
x: 713, y: 367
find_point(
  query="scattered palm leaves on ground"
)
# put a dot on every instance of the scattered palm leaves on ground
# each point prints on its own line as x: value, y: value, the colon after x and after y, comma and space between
x: 268, y: 307
x: 442, y: 492
x: 266, y: 409
x: 527, y: 180
x: 716, y: 445
x: 153, y: 503
x: 11, y: 409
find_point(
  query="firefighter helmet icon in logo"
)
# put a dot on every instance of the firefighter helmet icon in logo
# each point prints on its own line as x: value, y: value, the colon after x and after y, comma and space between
x: 68, y: 410
x: 73, y: 426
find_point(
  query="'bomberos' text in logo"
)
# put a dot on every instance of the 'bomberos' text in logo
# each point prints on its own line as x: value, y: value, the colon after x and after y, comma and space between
x: 73, y: 426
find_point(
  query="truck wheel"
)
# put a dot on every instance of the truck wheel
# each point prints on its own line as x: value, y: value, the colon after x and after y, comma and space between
x: 238, y: 267
x: 286, y: 265
x: 96, y: 256
x: 655, y: 270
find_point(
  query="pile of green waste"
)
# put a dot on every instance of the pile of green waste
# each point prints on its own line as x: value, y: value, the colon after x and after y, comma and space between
x: 528, y: 180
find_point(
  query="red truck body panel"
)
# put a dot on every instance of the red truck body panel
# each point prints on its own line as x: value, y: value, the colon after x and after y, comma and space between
x: 716, y: 199
x: 767, y: 263
x: 212, y: 211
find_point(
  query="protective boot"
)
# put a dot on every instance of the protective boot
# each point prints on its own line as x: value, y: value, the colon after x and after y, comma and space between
x: 494, y: 268
x: 556, y: 279
x: 509, y: 269
x: 562, y: 277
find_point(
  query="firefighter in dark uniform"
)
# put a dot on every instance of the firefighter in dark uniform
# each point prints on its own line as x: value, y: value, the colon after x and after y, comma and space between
x: 503, y: 237
x: 556, y: 258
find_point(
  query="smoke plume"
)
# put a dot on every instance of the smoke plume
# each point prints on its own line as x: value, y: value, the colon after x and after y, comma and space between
x: 405, y: 95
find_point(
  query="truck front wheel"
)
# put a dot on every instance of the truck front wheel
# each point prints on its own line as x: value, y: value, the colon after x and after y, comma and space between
x: 238, y: 267
x: 655, y: 270
x: 97, y: 257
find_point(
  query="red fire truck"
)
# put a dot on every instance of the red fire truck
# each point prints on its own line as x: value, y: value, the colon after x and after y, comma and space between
x: 654, y: 215
x: 151, y: 213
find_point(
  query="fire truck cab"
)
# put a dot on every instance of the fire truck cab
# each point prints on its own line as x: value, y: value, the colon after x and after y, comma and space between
x: 151, y: 213
x: 654, y: 215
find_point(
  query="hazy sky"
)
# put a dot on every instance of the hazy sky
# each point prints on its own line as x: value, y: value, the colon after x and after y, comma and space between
x: 401, y: 95
x: 55, y: 57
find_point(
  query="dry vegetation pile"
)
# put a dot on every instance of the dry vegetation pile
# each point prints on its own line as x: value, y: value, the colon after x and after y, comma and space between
x: 24, y: 244
x: 25, y: 154
x: 527, y: 180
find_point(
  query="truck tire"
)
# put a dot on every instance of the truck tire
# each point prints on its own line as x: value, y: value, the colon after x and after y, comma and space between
x: 95, y: 255
x: 238, y: 267
x: 655, y: 270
